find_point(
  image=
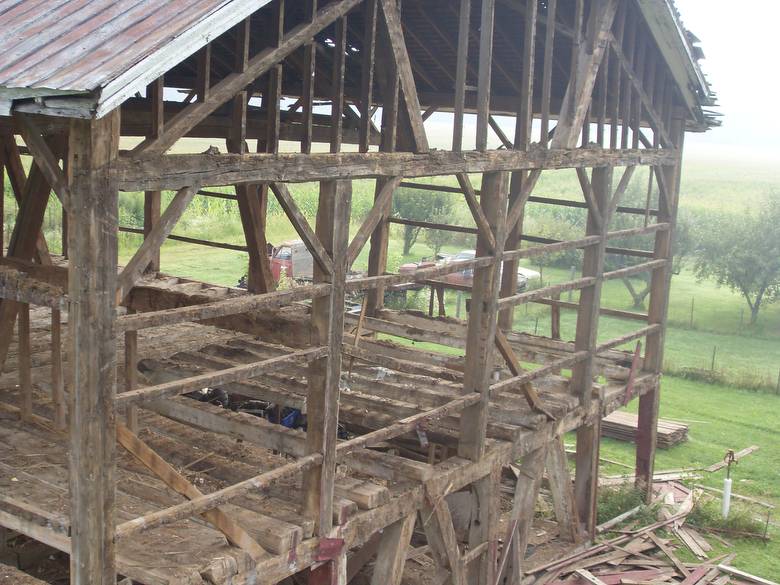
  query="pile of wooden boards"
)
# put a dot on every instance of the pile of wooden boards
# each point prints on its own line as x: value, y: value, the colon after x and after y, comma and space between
x: 649, y: 554
x: 623, y: 426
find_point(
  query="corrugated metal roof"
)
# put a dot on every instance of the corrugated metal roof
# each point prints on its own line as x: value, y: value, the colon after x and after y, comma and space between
x: 109, y: 47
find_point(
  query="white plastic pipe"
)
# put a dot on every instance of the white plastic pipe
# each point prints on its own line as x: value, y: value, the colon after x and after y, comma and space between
x: 726, y: 497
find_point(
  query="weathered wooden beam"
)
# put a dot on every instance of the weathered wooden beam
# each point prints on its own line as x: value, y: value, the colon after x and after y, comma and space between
x: 327, y: 322
x: 436, y: 521
x: 155, y: 92
x: 367, y: 76
x: 522, y: 516
x: 337, y: 85
x: 403, y: 66
x: 301, y: 225
x: 530, y: 393
x: 586, y: 478
x: 44, y: 157
x: 26, y: 242
x: 224, y: 308
x: 480, y: 338
x: 211, y: 379
x: 549, y: 45
x: 461, y: 73
x: 181, y: 170
x: 25, y: 363
x: 378, y: 213
x: 483, y: 225
x: 660, y: 285
x: 134, y: 269
x: 579, y: 93
x: 391, y: 554
x: 486, y: 28
x: 17, y: 285
x: 92, y: 351
x: 177, y: 482
x: 562, y: 491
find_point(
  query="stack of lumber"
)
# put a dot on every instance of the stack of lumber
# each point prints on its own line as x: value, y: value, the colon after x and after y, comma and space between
x: 650, y: 554
x: 623, y: 426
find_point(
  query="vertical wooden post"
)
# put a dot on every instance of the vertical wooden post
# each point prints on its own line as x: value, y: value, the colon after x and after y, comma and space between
x: 461, y: 72
x: 57, y: 372
x: 586, y: 478
x: 522, y: 142
x: 367, y: 75
x: 480, y: 344
x: 131, y: 376
x: 391, y: 556
x: 152, y: 199
x: 26, y: 240
x: 25, y: 363
x: 387, y: 75
x: 92, y: 283
x: 522, y: 517
x: 252, y: 199
x: 657, y: 314
x: 327, y: 328
x: 337, y: 99
x: 564, y: 504
x: 485, y: 68
x: 307, y: 95
x: 482, y: 318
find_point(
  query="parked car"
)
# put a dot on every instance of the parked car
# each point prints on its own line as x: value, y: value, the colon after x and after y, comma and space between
x: 292, y: 259
x: 466, y: 277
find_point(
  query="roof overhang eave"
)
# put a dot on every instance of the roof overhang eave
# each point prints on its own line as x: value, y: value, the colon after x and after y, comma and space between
x: 670, y: 37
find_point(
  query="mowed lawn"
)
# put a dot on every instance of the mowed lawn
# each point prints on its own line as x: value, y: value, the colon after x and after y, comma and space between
x: 722, y: 418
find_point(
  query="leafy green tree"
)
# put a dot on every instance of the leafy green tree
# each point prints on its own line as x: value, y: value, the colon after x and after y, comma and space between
x: 437, y: 239
x: 743, y: 253
x: 419, y: 205
x: 638, y: 286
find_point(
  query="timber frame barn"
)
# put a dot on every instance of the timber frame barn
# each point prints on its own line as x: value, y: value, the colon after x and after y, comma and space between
x: 105, y: 459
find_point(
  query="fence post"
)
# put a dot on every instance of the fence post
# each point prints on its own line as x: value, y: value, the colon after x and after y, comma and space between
x: 714, y: 353
x: 691, y: 320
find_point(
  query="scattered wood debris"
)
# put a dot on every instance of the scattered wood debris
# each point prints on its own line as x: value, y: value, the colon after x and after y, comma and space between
x: 623, y: 427
x: 649, y: 554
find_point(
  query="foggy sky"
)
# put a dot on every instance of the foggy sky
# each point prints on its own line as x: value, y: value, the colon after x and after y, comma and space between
x: 739, y: 40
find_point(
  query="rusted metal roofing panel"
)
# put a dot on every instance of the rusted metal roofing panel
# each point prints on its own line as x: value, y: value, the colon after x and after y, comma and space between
x: 106, y: 48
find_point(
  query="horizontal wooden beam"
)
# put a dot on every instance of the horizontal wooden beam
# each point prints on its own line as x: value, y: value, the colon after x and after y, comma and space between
x: 176, y: 171
x: 218, y: 378
x: 547, y: 291
x: 638, y: 269
x: 17, y: 285
x: 233, y: 306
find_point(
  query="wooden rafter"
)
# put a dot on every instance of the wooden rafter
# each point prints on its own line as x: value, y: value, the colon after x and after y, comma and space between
x: 404, y: 69
x: 225, y: 89
x: 579, y: 92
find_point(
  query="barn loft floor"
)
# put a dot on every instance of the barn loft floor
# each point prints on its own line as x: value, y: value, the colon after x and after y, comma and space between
x: 374, y: 488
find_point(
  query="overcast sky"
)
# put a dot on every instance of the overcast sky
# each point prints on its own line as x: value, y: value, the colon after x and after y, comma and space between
x: 740, y: 44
